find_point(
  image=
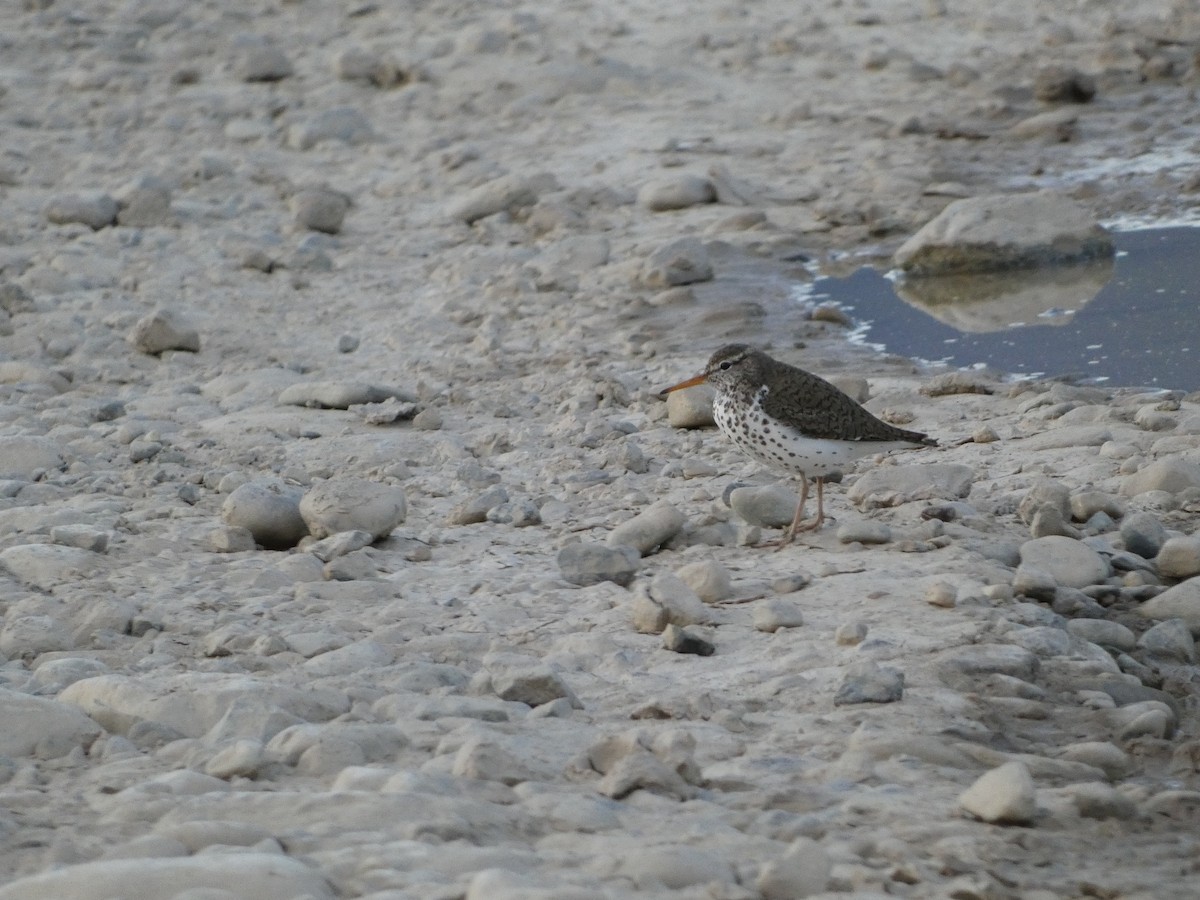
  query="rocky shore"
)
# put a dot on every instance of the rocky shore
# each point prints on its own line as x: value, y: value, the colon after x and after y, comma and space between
x: 348, y: 550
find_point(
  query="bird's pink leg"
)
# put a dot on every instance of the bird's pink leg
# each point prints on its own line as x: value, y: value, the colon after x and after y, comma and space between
x: 790, y: 533
x: 820, y: 519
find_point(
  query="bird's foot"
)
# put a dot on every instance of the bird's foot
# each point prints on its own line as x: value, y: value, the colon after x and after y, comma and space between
x: 789, y: 534
x: 814, y: 525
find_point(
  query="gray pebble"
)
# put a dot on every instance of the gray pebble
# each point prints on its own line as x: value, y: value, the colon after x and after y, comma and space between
x: 311, y: 255
x: 628, y: 455
x: 1034, y: 583
x: 1056, y: 83
x: 1045, y: 492
x: 775, y: 613
x: 941, y: 594
x: 708, y: 578
x: 353, y: 504
x: 257, y: 258
x: 533, y: 686
x: 685, y: 640
x: 269, y: 510
x: 357, y: 565
x: 506, y: 193
x: 347, y: 343
x: 475, y: 510
x: 585, y: 564
x: 1086, y: 504
x: 802, y: 871
x: 260, y: 61
x: 142, y: 450
x: 683, y: 606
x: 1069, y: 562
x: 518, y: 513
x: 1143, y: 534
x: 1179, y: 557
x: 1100, y: 801
x: 676, y: 192
x: 691, y: 408
x: 1055, y: 125
x: 649, y: 529
x: 683, y: 261
x: 231, y: 539
x: 145, y: 203
x: 1005, y: 796
x: 428, y: 419
x: 85, y: 537
x: 14, y: 298
x: 863, y: 532
x: 868, y: 682
x: 769, y: 506
x: 340, y: 544
x: 667, y: 601
x: 1072, y: 602
x: 361, y: 64
x: 162, y: 330
x: 850, y: 634
x: 1103, y: 632
x: 1170, y: 640
x: 1049, y: 520
x: 320, y: 209
x: 95, y: 210
x: 341, y: 123
x: 789, y: 584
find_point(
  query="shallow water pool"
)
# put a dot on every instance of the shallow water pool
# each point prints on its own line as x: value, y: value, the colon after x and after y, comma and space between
x: 1129, y: 322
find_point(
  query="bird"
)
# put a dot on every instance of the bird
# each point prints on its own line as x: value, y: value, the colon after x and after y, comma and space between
x: 793, y: 420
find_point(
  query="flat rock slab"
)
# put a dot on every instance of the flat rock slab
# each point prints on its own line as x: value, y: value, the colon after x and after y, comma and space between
x: 1171, y: 475
x: 1067, y: 436
x: 41, y: 727
x: 47, y: 565
x: 768, y: 505
x: 1004, y: 231
x: 338, y: 394
x: 353, y: 504
x: 1069, y: 562
x: 1179, y: 602
x: 893, y: 485
x: 585, y: 564
x: 24, y: 456
x: 264, y: 876
x: 191, y: 703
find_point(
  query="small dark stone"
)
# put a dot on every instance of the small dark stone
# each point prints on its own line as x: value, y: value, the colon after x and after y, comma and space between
x: 1074, y: 603
x: 1058, y: 84
x: 870, y: 683
x: 684, y: 640
x: 585, y: 564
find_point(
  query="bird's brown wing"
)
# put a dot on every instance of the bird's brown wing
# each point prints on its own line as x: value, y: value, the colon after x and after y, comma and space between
x: 816, y: 408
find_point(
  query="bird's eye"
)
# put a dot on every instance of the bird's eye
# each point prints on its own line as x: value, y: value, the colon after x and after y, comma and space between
x: 725, y: 365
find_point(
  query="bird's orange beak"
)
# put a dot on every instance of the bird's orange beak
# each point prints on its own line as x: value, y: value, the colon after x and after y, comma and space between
x: 691, y: 382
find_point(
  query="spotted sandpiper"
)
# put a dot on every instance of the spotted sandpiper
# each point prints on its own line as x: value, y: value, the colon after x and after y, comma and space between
x: 793, y: 420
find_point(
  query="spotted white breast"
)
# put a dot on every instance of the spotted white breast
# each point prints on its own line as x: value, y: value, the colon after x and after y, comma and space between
x: 782, y: 447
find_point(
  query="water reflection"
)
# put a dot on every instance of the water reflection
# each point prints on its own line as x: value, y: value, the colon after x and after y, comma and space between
x: 1132, y: 322
x: 996, y: 300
